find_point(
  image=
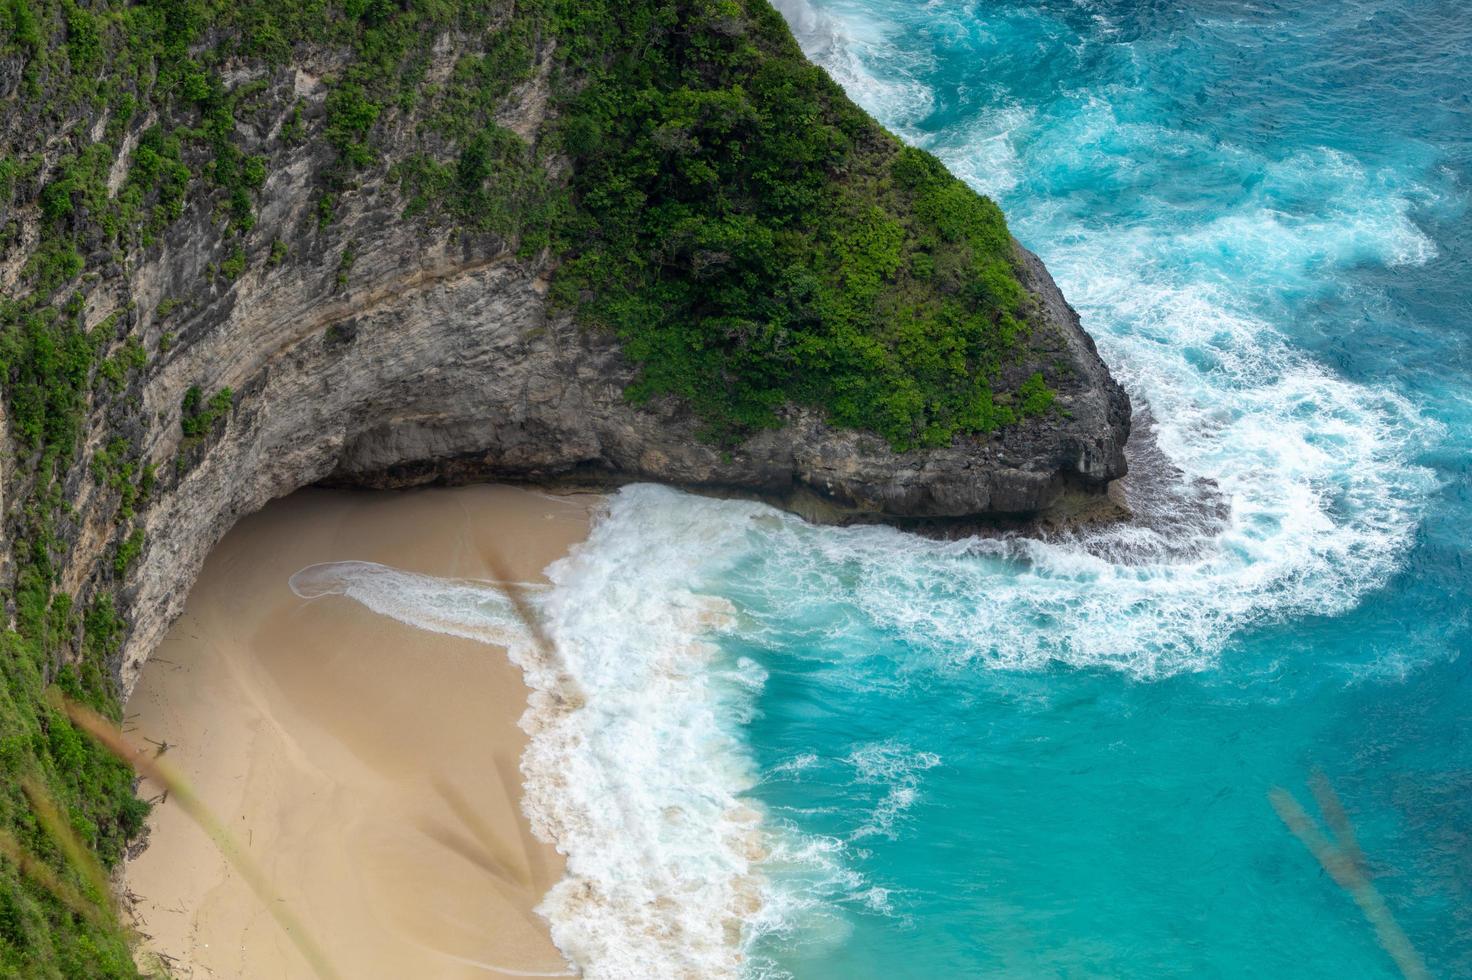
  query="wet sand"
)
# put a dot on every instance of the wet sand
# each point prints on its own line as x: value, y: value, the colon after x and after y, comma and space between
x: 369, y: 767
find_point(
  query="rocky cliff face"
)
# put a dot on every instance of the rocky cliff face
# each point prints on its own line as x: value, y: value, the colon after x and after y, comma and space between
x: 529, y: 395
x: 438, y: 363
x: 386, y: 352
x: 244, y: 250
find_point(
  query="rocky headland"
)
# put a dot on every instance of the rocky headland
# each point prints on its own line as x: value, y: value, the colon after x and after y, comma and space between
x: 213, y: 300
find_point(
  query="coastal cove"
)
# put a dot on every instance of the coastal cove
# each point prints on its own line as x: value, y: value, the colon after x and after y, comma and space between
x: 591, y: 488
x: 251, y: 247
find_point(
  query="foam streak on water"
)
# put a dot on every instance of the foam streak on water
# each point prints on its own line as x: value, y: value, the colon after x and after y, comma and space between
x: 469, y: 609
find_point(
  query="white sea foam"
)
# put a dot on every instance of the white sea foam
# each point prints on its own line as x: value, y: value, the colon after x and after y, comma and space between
x: 792, y: 768
x: 898, y: 769
x: 467, y: 608
x: 847, y: 45
x: 1314, y: 473
x: 634, y: 768
x: 640, y: 783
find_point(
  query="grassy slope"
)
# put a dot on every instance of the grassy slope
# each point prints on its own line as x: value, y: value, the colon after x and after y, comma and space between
x: 753, y: 237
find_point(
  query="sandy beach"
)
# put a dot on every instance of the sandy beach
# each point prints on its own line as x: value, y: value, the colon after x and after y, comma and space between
x: 369, y: 767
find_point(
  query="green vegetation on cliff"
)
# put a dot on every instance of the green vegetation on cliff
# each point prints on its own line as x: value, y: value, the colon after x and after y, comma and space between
x: 757, y: 240
x: 754, y: 239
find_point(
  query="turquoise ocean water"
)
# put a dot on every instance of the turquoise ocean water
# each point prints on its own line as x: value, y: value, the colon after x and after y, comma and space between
x: 1054, y: 760
x: 828, y: 753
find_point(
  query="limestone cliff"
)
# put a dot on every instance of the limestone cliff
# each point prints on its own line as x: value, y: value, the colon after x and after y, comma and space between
x: 179, y: 352
x: 386, y: 351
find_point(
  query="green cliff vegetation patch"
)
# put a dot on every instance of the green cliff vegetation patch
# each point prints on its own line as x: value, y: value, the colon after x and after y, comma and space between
x: 753, y: 238
x: 757, y: 240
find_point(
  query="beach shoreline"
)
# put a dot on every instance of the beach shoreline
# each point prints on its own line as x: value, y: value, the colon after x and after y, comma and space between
x: 370, y: 768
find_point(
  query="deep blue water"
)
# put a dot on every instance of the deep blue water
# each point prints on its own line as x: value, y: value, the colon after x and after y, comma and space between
x: 1033, y: 760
